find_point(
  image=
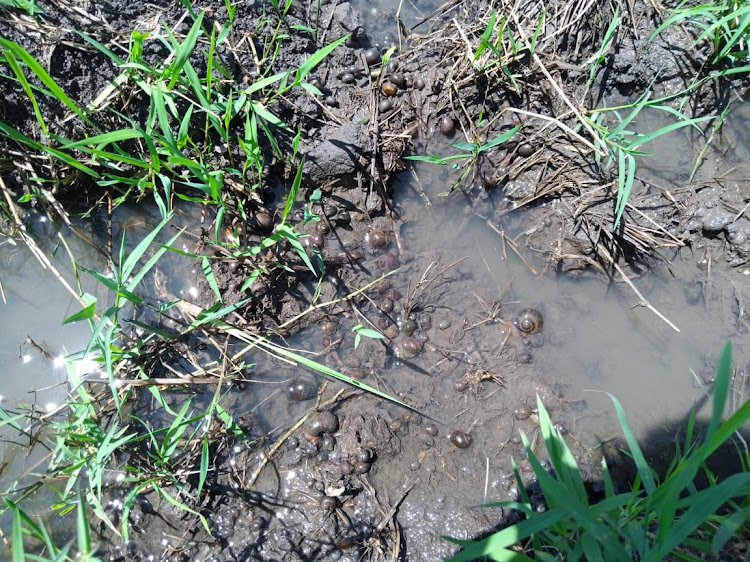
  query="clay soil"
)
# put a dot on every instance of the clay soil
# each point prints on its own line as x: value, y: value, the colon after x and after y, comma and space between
x: 383, y: 481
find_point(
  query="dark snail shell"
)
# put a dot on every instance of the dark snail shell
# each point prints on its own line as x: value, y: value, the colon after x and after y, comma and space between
x: 447, y: 125
x: 300, y: 389
x: 372, y: 56
x: 529, y: 322
x: 321, y: 422
x: 460, y: 439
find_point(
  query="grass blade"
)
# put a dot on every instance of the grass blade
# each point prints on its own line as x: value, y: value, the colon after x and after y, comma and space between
x: 184, y: 51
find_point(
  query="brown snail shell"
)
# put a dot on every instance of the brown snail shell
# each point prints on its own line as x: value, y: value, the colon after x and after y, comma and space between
x: 524, y: 356
x: 529, y: 322
x: 522, y: 412
x: 460, y: 439
x: 412, y: 346
x: 389, y: 88
x: 377, y: 238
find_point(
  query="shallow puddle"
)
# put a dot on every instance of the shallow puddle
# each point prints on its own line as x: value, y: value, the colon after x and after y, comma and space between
x: 466, y: 281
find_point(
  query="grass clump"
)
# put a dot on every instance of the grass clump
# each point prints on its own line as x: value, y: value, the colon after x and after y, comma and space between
x: 654, y: 520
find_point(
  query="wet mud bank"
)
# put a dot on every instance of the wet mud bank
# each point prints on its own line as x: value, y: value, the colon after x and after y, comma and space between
x: 427, y: 211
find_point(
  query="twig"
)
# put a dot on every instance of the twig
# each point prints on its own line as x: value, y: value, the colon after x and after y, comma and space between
x: 644, y: 302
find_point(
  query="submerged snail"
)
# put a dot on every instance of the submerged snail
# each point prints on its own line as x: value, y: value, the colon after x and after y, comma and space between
x: 299, y: 390
x: 529, y: 322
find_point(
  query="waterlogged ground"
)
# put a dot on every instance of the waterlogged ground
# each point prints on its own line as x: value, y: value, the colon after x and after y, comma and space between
x: 364, y: 478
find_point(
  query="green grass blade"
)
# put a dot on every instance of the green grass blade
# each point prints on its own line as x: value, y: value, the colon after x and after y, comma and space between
x: 560, y: 455
x: 500, y: 139
x: 184, y: 51
x: 65, y: 158
x: 17, y: 537
x: 103, y: 139
x: 315, y: 59
x: 215, y: 313
x: 209, y: 273
x: 204, y: 466
x: 644, y: 471
x: 44, y: 76
x: 14, y: 66
x: 292, y: 197
x: 128, y: 266
x: 721, y: 389
x: 625, y: 178
x: 703, y: 504
x: 82, y: 527
x: 277, y: 350
x: 495, y: 545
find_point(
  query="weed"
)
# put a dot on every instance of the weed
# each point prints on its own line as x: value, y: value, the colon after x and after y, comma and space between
x: 652, y: 521
x: 725, y: 25
x: 470, y: 152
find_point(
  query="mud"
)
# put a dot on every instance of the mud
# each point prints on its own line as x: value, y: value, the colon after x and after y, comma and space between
x: 388, y: 482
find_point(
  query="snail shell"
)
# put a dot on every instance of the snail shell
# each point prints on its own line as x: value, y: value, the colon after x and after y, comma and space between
x: 385, y: 105
x: 447, y: 125
x: 320, y: 423
x: 377, y: 238
x: 372, y: 56
x: 361, y: 467
x: 526, y: 149
x: 460, y: 439
x: 412, y: 346
x: 300, y: 389
x: 398, y: 79
x: 389, y: 88
x: 529, y: 322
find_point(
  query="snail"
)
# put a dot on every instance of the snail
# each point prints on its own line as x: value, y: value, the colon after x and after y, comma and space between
x: 412, y: 346
x: 329, y: 326
x: 460, y: 439
x: 431, y: 429
x: 529, y: 322
x: 372, y: 56
x: 447, y: 125
x: 361, y: 467
x: 385, y: 105
x: 419, y: 84
x: 320, y: 423
x: 300, y: 389
x: 398, y: 79
x: 526, y: 149
x: 409, y: 327
x: 389, y: 88
x: 524, y: 356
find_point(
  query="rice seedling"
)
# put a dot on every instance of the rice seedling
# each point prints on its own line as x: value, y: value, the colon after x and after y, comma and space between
x: 655, y: 520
